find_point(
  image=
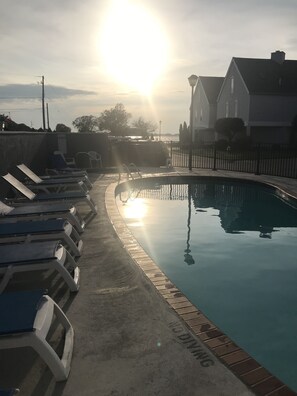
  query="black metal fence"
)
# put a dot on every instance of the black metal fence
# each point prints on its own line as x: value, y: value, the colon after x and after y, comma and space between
x: 273, y: 160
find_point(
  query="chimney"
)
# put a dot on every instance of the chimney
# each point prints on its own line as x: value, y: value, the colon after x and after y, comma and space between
x: 278, y: 56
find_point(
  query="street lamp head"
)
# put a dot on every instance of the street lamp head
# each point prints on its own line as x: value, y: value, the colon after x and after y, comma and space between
x: 193, y: 80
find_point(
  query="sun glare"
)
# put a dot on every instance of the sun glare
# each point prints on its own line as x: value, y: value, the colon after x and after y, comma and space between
x: 135, y: 209
x: 133, y: 45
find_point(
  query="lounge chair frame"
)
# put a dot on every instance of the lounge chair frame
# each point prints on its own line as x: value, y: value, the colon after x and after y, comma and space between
x: 36, y: 338
x: 40, y: 211
x: 48, y: 230
x: 60, y: 262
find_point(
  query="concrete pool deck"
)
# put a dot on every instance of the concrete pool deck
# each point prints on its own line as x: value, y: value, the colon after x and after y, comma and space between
x: 128, y: 339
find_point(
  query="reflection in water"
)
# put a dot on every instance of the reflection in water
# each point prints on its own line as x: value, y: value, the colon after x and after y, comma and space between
x: 135, y: 209
x: 242, y: 206
x: 188, y: 257
x: 243, y: 235
x: 129, y: 195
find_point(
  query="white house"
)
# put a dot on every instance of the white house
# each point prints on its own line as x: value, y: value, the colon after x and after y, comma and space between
x: 263, y: 92
x: 205, y: 107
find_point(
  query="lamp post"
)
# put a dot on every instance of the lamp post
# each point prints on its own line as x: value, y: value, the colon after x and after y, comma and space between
x: 188, y: 257
x: 192, y: 81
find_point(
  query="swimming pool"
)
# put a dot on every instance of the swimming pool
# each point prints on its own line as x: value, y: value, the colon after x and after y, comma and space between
x: 230, y: 247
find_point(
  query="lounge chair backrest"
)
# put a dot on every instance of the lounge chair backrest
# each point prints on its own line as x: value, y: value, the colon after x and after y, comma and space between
x: 19, y: 186
x: 5, y: 209
x: 31, y: 175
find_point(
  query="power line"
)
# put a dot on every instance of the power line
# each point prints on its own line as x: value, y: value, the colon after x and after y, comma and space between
x: 22, y: 109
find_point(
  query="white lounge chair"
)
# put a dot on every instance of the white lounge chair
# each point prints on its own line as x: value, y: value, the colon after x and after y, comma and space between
x: 89, y: 160
x: 95, y: 159
x: 51, y: 229
x: 42, y: 211
x: 26, y: 319
x: 72, y: 196
x: 37, y: 256
x: 48, y: 185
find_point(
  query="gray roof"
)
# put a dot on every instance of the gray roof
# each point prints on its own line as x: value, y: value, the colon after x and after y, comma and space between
x: 266, y: 76
x: 212, y: 87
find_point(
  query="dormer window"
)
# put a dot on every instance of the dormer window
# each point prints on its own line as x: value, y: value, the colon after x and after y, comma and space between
x: 232, y: 85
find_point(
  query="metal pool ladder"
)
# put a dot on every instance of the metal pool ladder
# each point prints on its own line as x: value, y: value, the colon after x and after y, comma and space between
x: 129, y: 170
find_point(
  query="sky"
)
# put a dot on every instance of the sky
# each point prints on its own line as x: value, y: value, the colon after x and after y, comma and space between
x: 94, y: 54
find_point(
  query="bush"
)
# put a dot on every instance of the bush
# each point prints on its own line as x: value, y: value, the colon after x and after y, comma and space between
x: 222, y: 144
x: 243, y: 143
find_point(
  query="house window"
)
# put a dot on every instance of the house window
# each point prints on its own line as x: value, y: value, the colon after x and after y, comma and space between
x: 201, y: 114
x: 227, y: 109
x: 235, y: 108
x: 232, y: 85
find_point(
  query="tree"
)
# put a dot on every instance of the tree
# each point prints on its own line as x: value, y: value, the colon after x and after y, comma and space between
x: 63, y: 128
x: 115, y: 120
x: 229, y: 127
x: 184, y: 136
x: 145, y: 127
x: 85, y: 124
x: 7, y: 124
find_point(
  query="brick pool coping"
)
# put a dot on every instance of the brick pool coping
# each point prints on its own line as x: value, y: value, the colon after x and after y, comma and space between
x: 256, y: 377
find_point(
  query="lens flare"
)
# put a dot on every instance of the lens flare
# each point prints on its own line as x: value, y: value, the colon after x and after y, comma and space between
x: 133, y: 45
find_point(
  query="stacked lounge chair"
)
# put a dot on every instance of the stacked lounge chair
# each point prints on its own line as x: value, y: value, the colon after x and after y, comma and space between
x: 51, y: 229
x: 42, y: 211
x: 37, y: 256
x: 73, y: 196
x: 42, y: 235
x: 48, y: 184
x: 26, y: 318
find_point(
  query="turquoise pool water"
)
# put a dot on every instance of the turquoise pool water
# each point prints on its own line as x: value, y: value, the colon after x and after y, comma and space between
x: 230, y: 247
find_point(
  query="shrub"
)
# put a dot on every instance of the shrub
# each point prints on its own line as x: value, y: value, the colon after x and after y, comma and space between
x: 222, y: 144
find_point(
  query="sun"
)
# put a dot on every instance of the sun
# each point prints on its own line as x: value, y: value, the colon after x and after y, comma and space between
x: 133, y: 45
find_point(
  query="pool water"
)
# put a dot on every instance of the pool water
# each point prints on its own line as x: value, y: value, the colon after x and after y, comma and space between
x: 230, y: 247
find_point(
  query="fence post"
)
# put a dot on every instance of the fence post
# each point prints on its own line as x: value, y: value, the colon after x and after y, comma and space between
x: 214, y: 168
x: 258, y: 161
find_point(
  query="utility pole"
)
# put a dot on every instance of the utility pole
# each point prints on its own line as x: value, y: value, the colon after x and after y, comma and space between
x: 160, y: 123
x: 48, y: 127
x: 42, y: 99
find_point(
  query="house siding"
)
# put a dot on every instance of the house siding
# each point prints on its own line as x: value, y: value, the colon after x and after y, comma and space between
x: 268, y: 110
x: 200, y: 104
x: 240, y: 96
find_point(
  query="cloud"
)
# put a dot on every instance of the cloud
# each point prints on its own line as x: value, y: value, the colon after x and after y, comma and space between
x: 33, y: 91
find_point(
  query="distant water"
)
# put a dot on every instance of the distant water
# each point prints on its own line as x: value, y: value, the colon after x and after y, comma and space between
x: 164, y: 138
x: 168, y: 138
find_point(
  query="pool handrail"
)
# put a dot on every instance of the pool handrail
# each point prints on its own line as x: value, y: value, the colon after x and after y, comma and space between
x: 129, y: 169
